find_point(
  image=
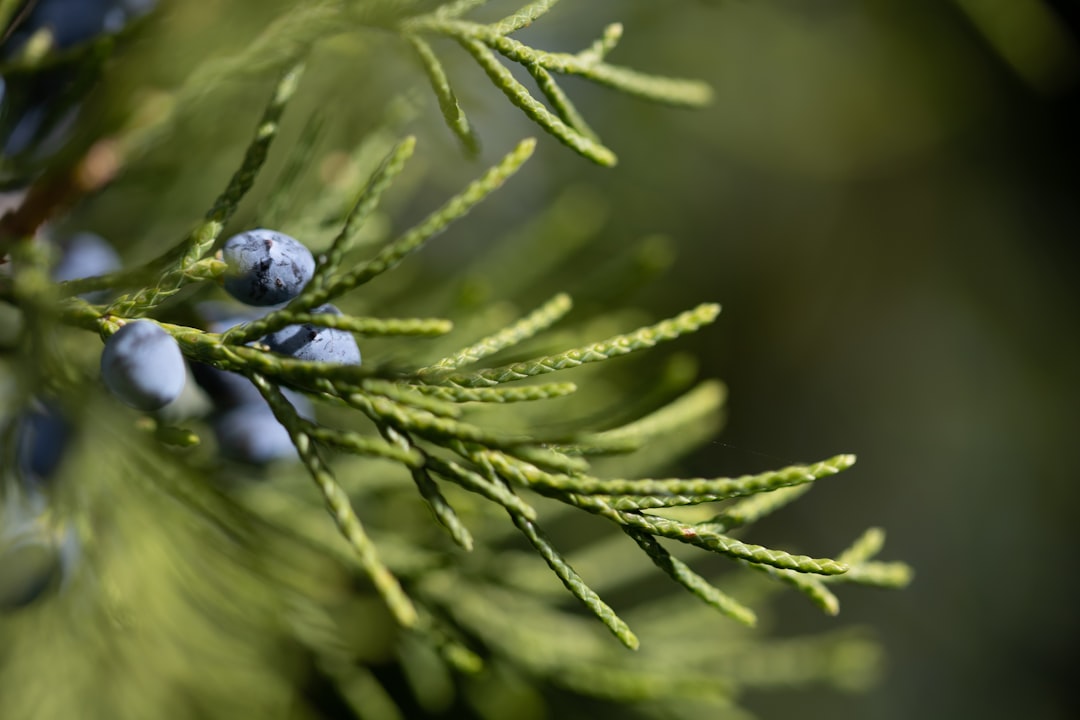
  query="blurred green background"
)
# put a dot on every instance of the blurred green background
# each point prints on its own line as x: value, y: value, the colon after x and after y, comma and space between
x: 883, y: 197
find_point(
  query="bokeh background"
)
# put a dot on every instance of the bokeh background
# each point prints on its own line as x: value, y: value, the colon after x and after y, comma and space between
x: 884, y: 199
x: 883, y: 196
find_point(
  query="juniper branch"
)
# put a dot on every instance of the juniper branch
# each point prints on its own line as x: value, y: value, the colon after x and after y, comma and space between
x: 533, y: 109
x: 641, y: 339
x: 499, y: 395
x: 392, y: 254
x: 457, y: 8
x: 434, y: 224
x: 712, y: 541
x: 379, y: 182
x: 699, y: 586
x: 273, y: 210
x: 877, y: 574
x: 426, y: 424
x: 477, y: 483
x: 540, y: 319
x: 448, y: 102
x: 442, y: 510
x: 337, y: 503
x: 419, y: 414
x: 865, y: 548
x: 714, y: 488
x: 812, y: 586
x: 376, y: 327
x: 402, y: 394
x: 575, y: 584
x: 691, y: 407
x: 523, y: 17
x: 753, y: 508
x: 588, y: 64
x: 355, y: 443
x: 562, y: 104
x: 173, y: 266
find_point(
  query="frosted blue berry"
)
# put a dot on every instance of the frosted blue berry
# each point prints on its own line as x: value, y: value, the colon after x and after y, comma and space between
x: 314, y: 343
x: 68, y: 23
x: 87, y: 255
x: 228, y: 390
x: 42, y: 433
x: 266, y: 267
x: 225, y: 389
x: 143, y: 366
x: 251, y: 434
x: 244, y: 425
x: 71, y: 22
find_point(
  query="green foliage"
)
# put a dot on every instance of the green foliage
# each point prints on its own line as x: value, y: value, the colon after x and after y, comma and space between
x: 486, y: 42
x: 471, y: 424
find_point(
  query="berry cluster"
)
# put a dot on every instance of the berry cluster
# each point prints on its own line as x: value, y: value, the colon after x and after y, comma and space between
x: 72, y: 22
x: 143, y: 366
x: 35, y: 558
x: 265, y: 268
x: 39, y: 106
x: 244, y: 425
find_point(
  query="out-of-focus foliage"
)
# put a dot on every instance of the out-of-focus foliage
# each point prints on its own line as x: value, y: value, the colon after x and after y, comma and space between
x: 920, y: 303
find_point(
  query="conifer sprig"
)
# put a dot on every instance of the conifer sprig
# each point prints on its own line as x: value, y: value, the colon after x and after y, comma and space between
x: 486, y: 43
x: 174, y: 267
x: 537, y: 321
x: 455, y: 591
x: 393, y: 253
x: 641, y: 339
x: 417, y: 413
x: 339, y: 506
